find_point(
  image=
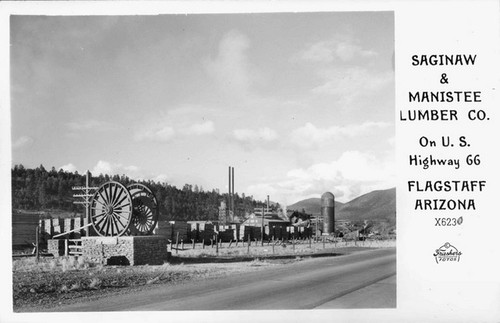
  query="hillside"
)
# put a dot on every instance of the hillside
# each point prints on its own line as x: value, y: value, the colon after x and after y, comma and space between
x: 380, y: 205
x: 376, y: 205
x: 311, y: 205
x: 50, y: 192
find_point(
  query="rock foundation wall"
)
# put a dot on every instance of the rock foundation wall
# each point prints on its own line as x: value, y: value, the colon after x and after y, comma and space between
x: 55, y: 247
x: 147, y: 250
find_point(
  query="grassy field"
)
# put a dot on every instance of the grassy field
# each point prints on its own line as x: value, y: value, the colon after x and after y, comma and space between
x: 55, y: 281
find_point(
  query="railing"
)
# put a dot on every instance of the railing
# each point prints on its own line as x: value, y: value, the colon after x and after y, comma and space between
x: 74, y: 247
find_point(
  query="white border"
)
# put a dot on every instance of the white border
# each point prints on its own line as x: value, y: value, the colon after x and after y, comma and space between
x: 410, y: 308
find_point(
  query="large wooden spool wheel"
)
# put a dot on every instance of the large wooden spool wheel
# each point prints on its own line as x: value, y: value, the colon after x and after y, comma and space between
x: 145, y: 210
x: 111, y: 209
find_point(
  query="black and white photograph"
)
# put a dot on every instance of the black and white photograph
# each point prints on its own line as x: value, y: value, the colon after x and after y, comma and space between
x: 203, y: 162
x: 236, y: 161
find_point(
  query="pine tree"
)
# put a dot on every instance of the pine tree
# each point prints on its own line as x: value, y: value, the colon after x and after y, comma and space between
x: 42, y: 195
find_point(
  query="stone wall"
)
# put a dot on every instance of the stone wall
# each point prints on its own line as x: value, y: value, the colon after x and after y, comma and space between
x: 150, y: 250
x: 55, y: 247
x: 141, y: 250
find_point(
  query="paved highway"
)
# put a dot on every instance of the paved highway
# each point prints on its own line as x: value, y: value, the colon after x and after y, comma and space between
x: 361, y: 280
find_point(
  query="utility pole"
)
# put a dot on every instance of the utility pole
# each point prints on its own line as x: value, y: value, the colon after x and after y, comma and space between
x: 316, y: 232
x: 262, y: 229
x: 231, y: 203
x: 86, y: 196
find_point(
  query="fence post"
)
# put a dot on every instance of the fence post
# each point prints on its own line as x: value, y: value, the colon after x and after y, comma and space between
x: 177, y: 243
x: 37, y: 236
x: 193, y: 243
x: 216, y: 246
x: 66, y: 247
x: 248, y: 245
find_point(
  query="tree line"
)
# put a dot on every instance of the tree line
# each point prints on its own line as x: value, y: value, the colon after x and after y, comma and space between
x: 42, y: 190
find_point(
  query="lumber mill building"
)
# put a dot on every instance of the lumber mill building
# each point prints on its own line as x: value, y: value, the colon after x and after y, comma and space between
x: 270, y: 220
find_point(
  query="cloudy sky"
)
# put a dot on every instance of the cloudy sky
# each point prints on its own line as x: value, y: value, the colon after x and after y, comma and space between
x: 298, y: 104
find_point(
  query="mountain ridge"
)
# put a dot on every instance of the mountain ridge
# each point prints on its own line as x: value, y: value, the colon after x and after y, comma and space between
x: 379, y: 205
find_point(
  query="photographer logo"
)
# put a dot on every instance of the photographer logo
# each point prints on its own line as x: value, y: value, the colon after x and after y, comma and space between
x: 447, y: 253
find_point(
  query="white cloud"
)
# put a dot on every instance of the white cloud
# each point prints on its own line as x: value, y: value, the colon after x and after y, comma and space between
x: 309, y: 135
x: 334, y: 50
x: 347, y: 72
x: 199, y: 129
x: 230, y: 68
x: 105, y: 167
x: 354, y: 173
x: 254, y: 136
x: 23, y: 141
x: 133, y: 172
x: 164, y: 133
x: 161, y: 178
x: 351, y: 83
x: 68, y: 168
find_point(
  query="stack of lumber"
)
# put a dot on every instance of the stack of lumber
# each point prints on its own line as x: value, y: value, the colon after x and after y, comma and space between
x: 304, y: 232
x: 164, y: 228
x: 206, y: 231
x: 90, y: 228
x: 73, y: 224
x: 235, y: 230
x: 226, y: 233
x: 24, y: 230
x: 169, y: 230
x: 245, y: 231
x: 68, y: 224
x: 257, y: 233
x: 293, y: 232
x: 268, y: 232
x: 181, y: 228
x: 77, y: 224
x: 57, y: 226
x: 194, y: 230
x: 46, y: 226
x: 308, y: 232
x: 207, y: 235
x: 278, y: 233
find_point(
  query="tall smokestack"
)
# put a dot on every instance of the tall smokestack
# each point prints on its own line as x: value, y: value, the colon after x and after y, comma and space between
x: 229, y: 192
x: 232, y: 187
x: 268, y: 204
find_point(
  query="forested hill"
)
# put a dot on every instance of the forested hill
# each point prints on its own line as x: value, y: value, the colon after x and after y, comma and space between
x: 40, y: 190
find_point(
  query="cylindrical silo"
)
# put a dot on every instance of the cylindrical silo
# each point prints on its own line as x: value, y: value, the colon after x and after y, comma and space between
x: 328, y: 212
